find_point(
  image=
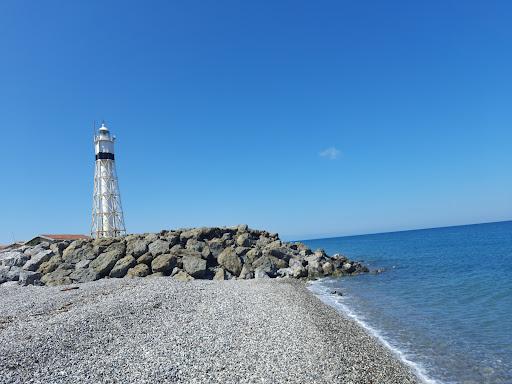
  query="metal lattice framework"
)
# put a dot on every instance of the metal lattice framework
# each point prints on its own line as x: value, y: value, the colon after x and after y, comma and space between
x: 107, y: 212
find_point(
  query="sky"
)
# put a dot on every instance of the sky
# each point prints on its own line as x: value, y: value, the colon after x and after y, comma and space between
x: 308, y: 118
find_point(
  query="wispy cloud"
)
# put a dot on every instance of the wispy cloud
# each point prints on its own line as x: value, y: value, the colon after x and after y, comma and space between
x: 330, y: 153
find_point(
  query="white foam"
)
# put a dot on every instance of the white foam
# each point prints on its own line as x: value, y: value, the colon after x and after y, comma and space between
x: 335, y: 301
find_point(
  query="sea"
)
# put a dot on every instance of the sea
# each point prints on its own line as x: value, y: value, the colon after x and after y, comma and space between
x: 443, y: 304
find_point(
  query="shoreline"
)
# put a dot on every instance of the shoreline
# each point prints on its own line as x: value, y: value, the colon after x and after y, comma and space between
x: 157, y: 329
x: 323, y: 293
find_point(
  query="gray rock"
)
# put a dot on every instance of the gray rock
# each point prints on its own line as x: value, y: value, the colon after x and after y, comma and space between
x: 327, y: 268
x: 246, y: 272
x: 216, y: 247
x: 106, y: 261
x: 50, y: 265
x: 13, y: 258
x: 122, y: 266
x: 274, y: 244
x: 146, y: 258
x: 259, y: 273
x: 140, y: 270
x: 83, y: 264
x: 230, y: 261
x: 194, y: 266
x: 118, y: 246
x: 31, y: 251
x: 37, y: 259
x: 158, y: 247
x: 29, y: 277
x: 84, y: 275
x: 252, y: 255
x: 9, y: 274
x: 244, y: 240
x: 220, y: 274
x: 164, y: 263
x: 57, y: 277
x: 136, y: 248
x: 58, y: 248
x: 85, y: 252
x: 269, y: 264
x: 182, y: 276
x: 298, y: 271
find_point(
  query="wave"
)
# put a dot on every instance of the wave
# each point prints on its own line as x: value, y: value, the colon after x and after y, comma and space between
x: 335, y: 301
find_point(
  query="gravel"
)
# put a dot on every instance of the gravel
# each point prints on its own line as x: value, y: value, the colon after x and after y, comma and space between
x: 159, y: 330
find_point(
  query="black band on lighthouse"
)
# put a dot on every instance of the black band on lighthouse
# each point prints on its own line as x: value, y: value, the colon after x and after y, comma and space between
x: 104, y: 155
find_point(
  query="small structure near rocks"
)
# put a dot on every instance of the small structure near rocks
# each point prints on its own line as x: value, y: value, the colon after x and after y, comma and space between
x: 183, y: 254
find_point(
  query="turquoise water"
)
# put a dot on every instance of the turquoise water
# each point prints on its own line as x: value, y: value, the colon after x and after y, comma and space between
x: 444, y: 303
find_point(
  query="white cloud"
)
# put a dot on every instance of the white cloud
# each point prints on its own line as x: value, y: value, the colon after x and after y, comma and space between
x: 330, y: 153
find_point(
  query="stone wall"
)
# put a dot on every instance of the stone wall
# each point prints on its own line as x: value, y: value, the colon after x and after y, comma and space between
x: 184, y: 254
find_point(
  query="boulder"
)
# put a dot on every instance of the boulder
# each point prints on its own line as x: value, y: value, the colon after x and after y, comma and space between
x: 58, y: 248
x: 182, y: 276
x: 269, y: 264
x: 50, y: 265
x: 158, y: 247
x: 146, y: 258
x: 194, y: 266
x: 327, y: 268
x: 85, y: 252
x: 216, y: 246
x: 31, y: 251
x: 106, y: 261
x: 83, y: 264
x: 220, y: 274
x: 252, y: 255
x: 122, y: 266
x: 136, y: 248
x: 164, y: 263
x: 140, y: 270
x: 259, y: 273
x: 84, y: 275
x: 57, y: 277
x: 37, y: 259
x: 298, y: 271
x: 13, y: 258
x: 230, y: 261
x: 9, y: 274
x: 246, y: 272
x: 244, y: 240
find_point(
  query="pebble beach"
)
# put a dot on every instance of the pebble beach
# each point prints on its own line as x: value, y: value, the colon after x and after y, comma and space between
x: 162, y: 330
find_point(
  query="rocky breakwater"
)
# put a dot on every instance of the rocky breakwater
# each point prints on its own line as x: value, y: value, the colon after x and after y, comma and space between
x: 184, y: 254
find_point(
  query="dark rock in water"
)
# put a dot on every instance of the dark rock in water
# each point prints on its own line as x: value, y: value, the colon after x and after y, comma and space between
x: 336, y: 292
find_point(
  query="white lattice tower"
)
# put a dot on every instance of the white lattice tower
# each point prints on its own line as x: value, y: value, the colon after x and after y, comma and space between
x: 107, y: 212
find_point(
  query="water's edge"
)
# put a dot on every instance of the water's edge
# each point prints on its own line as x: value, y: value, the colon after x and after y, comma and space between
x: 336, y: 302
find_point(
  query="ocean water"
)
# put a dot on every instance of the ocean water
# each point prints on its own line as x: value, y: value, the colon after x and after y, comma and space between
x: 444, y: 303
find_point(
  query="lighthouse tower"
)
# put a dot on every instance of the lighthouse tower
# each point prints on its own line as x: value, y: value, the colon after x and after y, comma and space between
x: 107, y: 213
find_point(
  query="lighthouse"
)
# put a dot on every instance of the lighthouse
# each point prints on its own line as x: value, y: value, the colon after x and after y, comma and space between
x: 107, y: 212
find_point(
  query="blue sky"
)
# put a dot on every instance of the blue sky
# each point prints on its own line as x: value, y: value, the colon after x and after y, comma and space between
x: 307, y: 118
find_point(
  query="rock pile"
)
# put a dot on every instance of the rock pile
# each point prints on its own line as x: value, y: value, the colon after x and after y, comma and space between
x: 184, y: 254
